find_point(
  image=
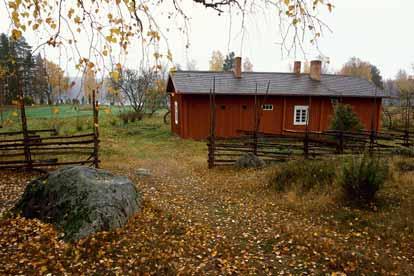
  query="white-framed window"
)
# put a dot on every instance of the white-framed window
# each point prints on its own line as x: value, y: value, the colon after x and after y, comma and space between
x: 176, y: 112
x: 267, y: 107
x: 300, y: 115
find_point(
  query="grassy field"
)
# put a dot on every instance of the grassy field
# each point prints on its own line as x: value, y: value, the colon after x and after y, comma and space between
x: 196, y: 221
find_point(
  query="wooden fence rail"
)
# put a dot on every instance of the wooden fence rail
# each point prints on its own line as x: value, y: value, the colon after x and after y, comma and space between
x: 28, y: 149
x: 282, y: 147
x: 47, y: 151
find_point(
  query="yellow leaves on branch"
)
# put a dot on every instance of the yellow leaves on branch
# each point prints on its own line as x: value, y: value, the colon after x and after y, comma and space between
x: 70, y: 13
x: 114, y: 75
x: 111, y: 39
x: 169, y: 56
x: 77, y: 20
x: 330, y: 7
x: 154, y: 35
x: 16, y: 34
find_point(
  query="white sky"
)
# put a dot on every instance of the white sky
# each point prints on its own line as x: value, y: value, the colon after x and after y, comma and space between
x: 378, y: 31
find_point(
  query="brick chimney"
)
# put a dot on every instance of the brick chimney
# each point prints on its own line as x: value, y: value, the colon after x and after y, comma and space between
x: 237, y: 67
x: 315, y: 70
x: 297, y: 67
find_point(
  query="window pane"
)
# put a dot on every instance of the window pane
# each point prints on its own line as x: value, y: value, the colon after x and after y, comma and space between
x: 297, y: 116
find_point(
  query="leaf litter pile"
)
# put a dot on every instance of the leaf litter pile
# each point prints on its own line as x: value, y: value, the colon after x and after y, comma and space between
x: 198, y: 221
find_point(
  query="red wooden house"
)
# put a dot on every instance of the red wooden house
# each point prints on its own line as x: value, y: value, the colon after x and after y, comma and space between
x: 294, y: 101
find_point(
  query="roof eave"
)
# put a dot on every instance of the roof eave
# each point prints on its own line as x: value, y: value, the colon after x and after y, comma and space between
x: 283, y: 94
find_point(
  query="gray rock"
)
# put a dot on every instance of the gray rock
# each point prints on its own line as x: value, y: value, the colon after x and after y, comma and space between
x: 249, y: 160
x: 143, y: 172
x: 80, y: 201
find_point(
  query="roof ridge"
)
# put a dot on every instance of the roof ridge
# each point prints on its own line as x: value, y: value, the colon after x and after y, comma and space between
x: 262, y: 72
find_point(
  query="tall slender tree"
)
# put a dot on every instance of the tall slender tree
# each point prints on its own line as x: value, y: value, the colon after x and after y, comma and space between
x: 216, y: 61
x: 229, y: 62
x: 376, y: 77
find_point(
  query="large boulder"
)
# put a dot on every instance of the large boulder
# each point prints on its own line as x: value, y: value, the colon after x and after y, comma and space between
x: 80, y: 201
x: 249, y: 160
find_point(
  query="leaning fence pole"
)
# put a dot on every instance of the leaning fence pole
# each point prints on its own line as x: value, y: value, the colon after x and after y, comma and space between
x: 256, y: 123
x: 306, y: 138
x: 1, y: 102
x: 407, y: 122
x: 26, y: 140
x: 372, y: 135
x: 212, y: 137
x: 95, y: 129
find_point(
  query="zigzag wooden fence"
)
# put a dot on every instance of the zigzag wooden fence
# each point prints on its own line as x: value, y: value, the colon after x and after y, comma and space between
x: 310, y: 145
x: 39, y: 150
x: 34, y: 149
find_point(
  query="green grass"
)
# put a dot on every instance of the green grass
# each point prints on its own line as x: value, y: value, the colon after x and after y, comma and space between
x: 64, y: 111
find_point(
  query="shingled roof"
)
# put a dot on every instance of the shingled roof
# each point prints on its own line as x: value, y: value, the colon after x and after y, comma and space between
x: 200, y: 82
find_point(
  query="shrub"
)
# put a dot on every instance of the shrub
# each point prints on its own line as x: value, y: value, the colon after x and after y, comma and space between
x: 134, y: 116
x: 249, y: 160
x: 79, y: 124
x: 28, y: 100
x: 124, y: 117
x: 303, y: 175
x: 130, y: 116
x: 345, y: 119
x: 362, y: 178
x: 113, y: 121
x: 405, y: 166
x: 403, y: 151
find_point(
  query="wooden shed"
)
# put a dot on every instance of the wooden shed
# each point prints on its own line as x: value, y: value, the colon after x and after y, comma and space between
x: 289, y: 101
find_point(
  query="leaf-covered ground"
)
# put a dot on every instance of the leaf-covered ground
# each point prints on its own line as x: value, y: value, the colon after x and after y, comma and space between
x: 196, y: 221
x: 221, y: 221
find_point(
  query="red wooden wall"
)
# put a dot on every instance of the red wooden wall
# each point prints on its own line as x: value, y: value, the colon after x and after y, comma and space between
x: 236, y: 112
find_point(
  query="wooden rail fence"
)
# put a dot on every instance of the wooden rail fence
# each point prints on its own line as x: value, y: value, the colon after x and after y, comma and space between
x: 295, y: 144
x: 30, y: 149
x: 309, y: 145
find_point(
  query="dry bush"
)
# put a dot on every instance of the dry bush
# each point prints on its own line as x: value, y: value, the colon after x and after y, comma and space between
x: 405, y: 165
x: 361, y: 179
x: 303, y: 176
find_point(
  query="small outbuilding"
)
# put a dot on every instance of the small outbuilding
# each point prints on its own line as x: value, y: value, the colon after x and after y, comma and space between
x: 288, y: 101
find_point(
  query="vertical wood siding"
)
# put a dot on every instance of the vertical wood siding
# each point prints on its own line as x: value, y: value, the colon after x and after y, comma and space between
x: 236, y: 113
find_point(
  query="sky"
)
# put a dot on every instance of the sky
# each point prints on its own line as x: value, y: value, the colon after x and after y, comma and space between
x: 377, y: 31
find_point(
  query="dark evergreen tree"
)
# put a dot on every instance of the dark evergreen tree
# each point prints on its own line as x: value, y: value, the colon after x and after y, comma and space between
x: 23, y: 71
x: 15, y: 57
x: 376, y: 77
x: 345, y: 119
x: 40, y: 83
x: 228, y: 62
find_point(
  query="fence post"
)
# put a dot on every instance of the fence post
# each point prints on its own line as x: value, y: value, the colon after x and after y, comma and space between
x: 306, y: 145
x: 212, y: 138
x: 211, y: 147
x: 406, y: 138
x: 340, y: 142
x: 1, y: 102
x: 95, y: 106
x: 26, y: 139
x: 371, y: 142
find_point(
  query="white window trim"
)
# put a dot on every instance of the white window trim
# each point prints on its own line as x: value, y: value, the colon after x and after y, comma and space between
x: 176, y: 112
x: 267, y: 107
x: 300, y: 107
